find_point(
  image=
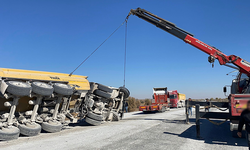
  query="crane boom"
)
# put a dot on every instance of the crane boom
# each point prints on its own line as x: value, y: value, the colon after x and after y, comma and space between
x: 242, y: 65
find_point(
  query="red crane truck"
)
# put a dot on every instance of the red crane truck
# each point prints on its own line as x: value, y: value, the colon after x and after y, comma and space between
x: 240, y: 88
x: 160, y: 101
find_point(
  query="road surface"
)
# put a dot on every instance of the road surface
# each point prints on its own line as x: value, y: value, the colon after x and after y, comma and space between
x: 136, y: 131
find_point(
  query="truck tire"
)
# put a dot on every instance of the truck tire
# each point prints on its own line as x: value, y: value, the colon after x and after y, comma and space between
x: 104, y: 88
x: 125, y: 91
x: 102, y: 94
x: 52, y: 126
x: 18, y: 88
x: 95, y: 116
x: 63, y: 89
x: 116, y: 116
x: 42, y: 88
x: 92, y: 121
x: 9, y: 133
x: 30, y: 129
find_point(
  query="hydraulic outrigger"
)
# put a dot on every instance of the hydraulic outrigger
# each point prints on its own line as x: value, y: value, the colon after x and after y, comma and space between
x: 240, y: 89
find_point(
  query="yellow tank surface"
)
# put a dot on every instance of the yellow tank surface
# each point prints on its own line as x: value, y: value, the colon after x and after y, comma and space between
x: 182, y: 96
x: 80, y: 83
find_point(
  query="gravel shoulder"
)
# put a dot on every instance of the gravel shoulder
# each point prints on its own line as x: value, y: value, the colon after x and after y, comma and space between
x: 136, y: 131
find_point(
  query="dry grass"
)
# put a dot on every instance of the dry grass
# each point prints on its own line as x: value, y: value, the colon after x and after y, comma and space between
x: 134, y: 104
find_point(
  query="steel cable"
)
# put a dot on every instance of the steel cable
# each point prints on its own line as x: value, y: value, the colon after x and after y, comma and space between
x: 97, y: 48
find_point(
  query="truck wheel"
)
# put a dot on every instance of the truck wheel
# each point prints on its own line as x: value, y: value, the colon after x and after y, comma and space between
x: 9, y: 133
x: 125, y: 91
x: 116, y: 116
x: 52, y: 126
x: 63, y: 89
x: 104, y: 88
x: 95, y: 116
x: 92, y: 121
x: 18, y: 88
x: 30, y: 129
x: 41, y: 88
x: 102, y: 94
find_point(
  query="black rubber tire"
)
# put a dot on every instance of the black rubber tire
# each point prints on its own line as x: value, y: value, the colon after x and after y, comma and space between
x: 104, y: 88
x: 116, y: 116
x: 18, y: 88
x: 125, y: 91
x: 63, y: 89
x: 30, y: 129
x: 42, y: 88
x: 102, y: 94
x: 9, y: 133
x: 95, y: 116
x: 92, y: 121
x: 52, y: 126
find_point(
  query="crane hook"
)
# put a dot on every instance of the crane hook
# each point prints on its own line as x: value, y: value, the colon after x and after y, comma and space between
x: 211, y: 60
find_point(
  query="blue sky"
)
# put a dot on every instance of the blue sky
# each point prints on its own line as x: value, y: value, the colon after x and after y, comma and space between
x: 57, y: 35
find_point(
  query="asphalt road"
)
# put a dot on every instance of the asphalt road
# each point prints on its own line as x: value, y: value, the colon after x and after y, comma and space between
x: 136, y: 131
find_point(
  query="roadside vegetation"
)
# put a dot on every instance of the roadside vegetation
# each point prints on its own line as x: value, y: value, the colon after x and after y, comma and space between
x: 134, y: 104
x: 213, y: 99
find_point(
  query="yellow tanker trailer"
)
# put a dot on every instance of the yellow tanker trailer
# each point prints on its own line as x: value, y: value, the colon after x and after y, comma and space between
x: 34, y: 100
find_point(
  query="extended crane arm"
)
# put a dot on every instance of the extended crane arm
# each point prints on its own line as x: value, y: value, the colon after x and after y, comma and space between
x: 187, y: 37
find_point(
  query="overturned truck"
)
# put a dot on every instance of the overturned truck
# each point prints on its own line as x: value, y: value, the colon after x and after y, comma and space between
x: 31, y: 101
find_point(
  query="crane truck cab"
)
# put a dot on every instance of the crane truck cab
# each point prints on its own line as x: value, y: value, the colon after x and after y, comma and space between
x: 240, y: 94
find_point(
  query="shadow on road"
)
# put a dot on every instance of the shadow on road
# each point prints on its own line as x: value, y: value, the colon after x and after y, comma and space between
x: 163, y: 120
x: 212, y: 134
x: 146, y: 113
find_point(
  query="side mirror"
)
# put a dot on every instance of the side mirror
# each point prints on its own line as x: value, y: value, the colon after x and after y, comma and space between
x: 225, y: 89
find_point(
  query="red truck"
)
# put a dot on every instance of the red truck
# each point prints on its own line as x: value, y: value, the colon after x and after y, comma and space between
x: 240, y: 88
x: 160, y: 101
x: 177, y: 100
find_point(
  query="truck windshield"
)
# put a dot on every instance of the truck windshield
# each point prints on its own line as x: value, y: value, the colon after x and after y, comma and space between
x: 243, y: 82
x: 174, y: 96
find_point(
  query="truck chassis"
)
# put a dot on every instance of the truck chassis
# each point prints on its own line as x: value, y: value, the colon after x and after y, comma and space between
x: 232, y: 115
